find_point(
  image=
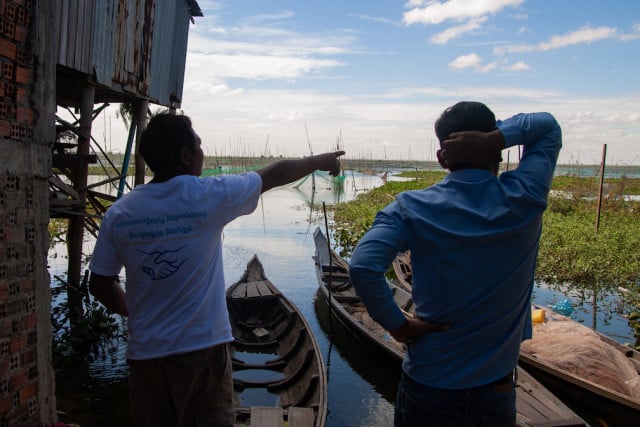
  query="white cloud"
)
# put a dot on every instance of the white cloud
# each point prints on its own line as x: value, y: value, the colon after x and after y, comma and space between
x: 260, y: 19
x: 518, y: 66
x: 584, y: 35
x: 282, y: 43
x: 458, y: 30
x: 635, y: 28
x: 437, y: 12
x: 237, y: 121
x: 213, y: 89
x: 487, y: 67
x: 378, y: 19
x: 465, y: 61
x: 255, y: 67
x: 413, y: 3
x: 472, y: 61
x: 259, y: 52
x: 230, y: 107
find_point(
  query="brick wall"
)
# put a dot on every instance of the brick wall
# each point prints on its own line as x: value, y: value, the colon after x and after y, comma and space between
x: 26, y: 376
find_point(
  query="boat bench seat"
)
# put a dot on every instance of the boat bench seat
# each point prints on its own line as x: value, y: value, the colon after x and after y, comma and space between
x: 268, y: 416
x: 254, y: 290
x: 301, y: 417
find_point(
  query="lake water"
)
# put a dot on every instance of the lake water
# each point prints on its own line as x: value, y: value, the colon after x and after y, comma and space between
x: 362, y: 385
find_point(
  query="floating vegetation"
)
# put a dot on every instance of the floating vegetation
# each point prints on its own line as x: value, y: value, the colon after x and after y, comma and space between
x: 572, y: 252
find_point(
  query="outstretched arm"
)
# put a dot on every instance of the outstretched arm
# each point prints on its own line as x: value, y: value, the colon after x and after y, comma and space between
x: 286, y: 171
x: 107, y: 290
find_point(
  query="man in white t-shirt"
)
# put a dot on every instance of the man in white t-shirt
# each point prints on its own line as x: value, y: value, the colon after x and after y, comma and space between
x: 167, y: 236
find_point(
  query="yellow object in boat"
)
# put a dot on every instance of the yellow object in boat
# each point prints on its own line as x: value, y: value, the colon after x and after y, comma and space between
x: 537, y: 315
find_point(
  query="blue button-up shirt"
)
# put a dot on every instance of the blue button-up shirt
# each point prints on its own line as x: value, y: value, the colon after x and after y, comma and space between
x: 474, y: 241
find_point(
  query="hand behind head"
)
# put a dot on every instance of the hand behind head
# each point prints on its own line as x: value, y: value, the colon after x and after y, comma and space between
x: 469, y: 150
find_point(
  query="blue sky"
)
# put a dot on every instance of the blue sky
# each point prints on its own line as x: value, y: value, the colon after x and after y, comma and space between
x: 261, y: 75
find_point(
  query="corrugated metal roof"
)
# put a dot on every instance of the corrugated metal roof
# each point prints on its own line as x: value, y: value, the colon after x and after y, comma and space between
x: 194, y: 9
x: 130, y: 48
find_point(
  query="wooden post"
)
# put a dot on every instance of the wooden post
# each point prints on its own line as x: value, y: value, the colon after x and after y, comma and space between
x: 594, y: 313
x: 125, y: 160
x: 141, y: 118
x: 75, y: 234
x: 604, y: 157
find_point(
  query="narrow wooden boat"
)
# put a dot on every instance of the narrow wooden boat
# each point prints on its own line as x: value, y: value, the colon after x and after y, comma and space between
x: 535, y: 405
x: 402, y: 267
x: 585, y: 368
x: 279, y: 377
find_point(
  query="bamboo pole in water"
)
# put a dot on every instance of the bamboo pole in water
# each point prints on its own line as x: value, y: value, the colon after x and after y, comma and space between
x: 604, y: 157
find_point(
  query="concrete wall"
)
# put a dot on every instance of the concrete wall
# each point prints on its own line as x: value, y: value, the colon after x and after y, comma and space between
x: 27, y: 107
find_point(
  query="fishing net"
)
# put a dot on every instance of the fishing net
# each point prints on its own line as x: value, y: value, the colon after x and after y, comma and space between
x: 575, y: 348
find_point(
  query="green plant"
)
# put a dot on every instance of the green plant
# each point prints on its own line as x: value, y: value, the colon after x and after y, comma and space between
x: 571, y: 251
x: 353, y: 219
x: 95, y: 335
x: 634, y: 322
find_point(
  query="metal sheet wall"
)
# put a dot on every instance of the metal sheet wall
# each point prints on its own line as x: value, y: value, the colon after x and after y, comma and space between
x: 133, y: 46
x: 170, y: 50
x: 73, y: 21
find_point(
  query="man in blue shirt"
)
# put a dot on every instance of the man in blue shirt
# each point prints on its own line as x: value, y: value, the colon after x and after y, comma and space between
x: 474, y: 240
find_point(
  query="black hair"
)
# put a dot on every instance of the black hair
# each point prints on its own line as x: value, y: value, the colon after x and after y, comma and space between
x: 463, y: 116
x: 163, y: 139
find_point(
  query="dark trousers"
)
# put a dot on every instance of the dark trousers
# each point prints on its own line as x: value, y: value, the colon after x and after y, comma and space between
x: 192, y: 389
x: 489, y: 405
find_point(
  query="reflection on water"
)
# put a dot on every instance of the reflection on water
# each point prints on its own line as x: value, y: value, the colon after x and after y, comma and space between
x: 382, y: 371
x: 361, y: 385
x: 605, y: 319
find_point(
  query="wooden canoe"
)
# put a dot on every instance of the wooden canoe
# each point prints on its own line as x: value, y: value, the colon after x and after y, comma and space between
x: 279, y: 377
x: 580, y: 384
x: 402, y: 267
x: 535, y: 405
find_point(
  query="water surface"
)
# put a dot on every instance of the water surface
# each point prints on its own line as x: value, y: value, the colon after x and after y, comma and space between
x: 362, y: 384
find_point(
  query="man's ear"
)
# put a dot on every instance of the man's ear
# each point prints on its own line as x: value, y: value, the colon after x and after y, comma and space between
x: 440, y: 160
x: 185, y: 156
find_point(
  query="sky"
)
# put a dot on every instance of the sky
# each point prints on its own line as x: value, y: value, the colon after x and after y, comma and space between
x: 292, y: 77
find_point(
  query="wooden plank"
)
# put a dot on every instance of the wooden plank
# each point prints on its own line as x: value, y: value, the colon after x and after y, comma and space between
x: 72, y: 160
x: 252, y: 290
x: 65, y: 213
x: 103, y: 196
x: 536, y: 406
x: 64, y: 187
x: 239, y: 292
x: 335, y: 275
x: 262, y: 416
x: 528, y: 413
x: 102, y: 182
x: 538, y: 395
x: 569, y: 422
x: 65, y: 203
x: 263, y: 288
x: 403, y: 299
x: 301, y: 417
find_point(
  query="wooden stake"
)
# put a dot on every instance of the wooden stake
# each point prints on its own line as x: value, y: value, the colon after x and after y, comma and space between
x: 604, y: 157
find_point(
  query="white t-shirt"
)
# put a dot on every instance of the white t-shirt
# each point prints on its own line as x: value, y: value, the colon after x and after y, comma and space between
x: 167, y: 236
